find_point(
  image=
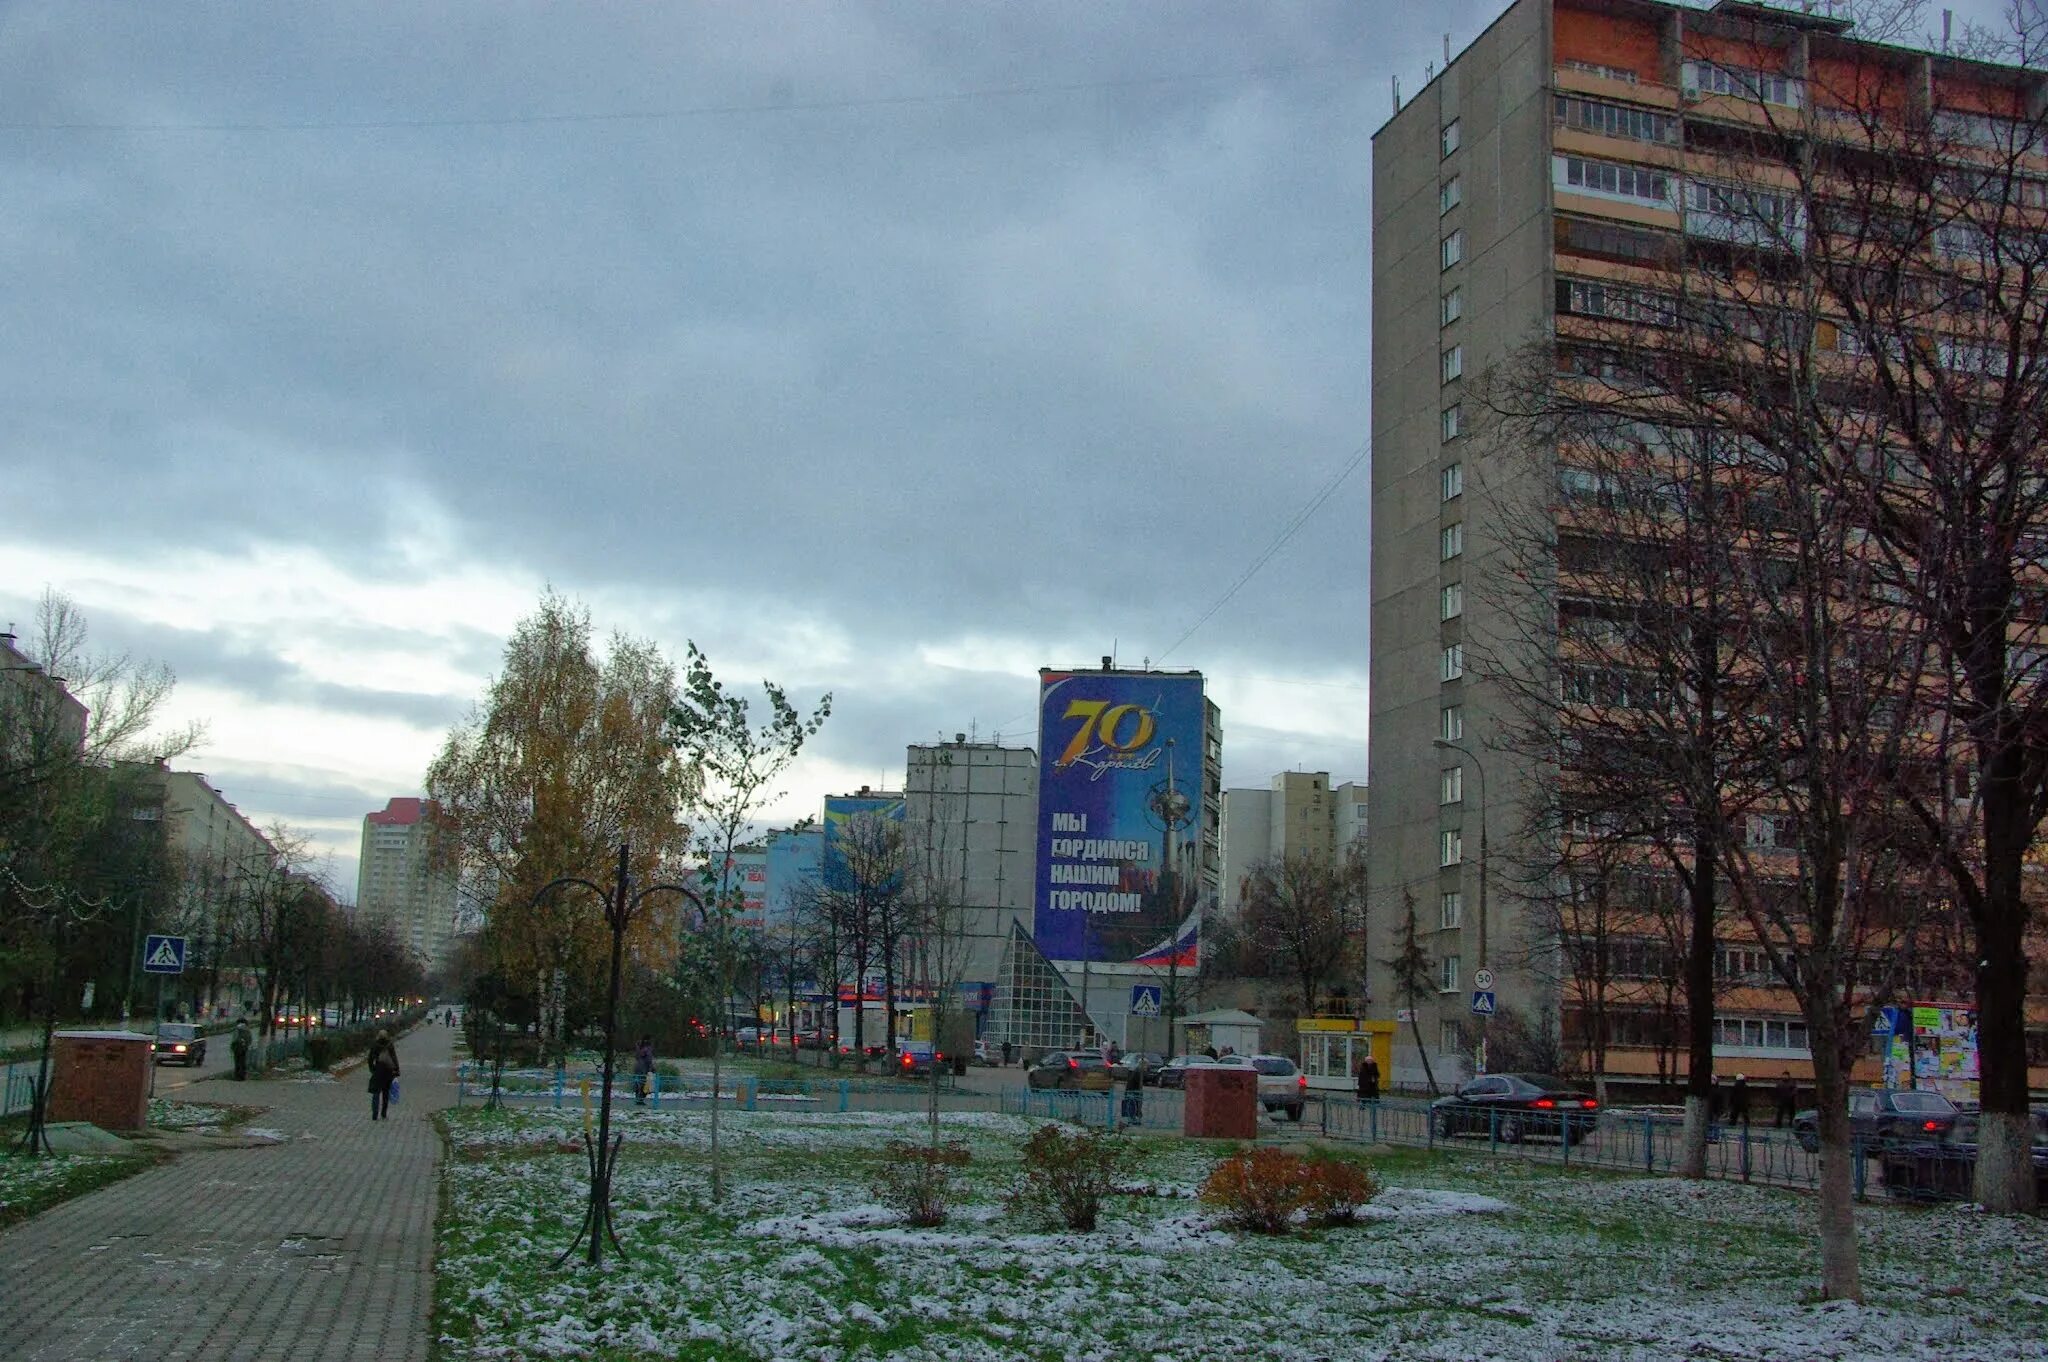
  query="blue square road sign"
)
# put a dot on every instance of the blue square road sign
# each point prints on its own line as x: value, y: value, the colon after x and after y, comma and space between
x: 163, y: 955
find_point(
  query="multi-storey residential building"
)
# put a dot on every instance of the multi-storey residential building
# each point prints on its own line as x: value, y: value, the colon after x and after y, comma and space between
x: 216, y: 859
x: 1570, y: 177
x: 1301, y: 813
x: 971, y: 816
x: 400, y: 884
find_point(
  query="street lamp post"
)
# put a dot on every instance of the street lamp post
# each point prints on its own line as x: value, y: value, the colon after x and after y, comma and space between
x: 620, y: 905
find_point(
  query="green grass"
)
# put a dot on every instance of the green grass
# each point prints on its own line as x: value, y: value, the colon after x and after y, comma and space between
x: 791, y: 1264
x: 30, y: 1185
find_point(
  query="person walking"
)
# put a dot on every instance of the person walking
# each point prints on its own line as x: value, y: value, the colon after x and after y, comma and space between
x: 1134, y: 1091
x: 1738, y: 1101
x: 382, y: 1062
x: 1368, y: 1079
x: 1787, y: 1094
x: 240, y: 1045
x: 643, y: 1069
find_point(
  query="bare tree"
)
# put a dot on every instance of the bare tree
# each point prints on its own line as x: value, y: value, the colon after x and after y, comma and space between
x: 1414, y: 979
x: 1306, y: 912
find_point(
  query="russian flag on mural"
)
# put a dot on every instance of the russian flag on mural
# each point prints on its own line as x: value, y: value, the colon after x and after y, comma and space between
x: 1182, y: 952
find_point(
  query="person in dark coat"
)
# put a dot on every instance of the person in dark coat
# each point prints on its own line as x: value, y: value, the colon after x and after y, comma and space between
x: 1368, y: 1079
x: 1787, y: 1095
x: 643, y: 1070
x: 1738, y: 1101
x: 382, y: 1063
x: 240, y: 1045
x: 1134, y: 1092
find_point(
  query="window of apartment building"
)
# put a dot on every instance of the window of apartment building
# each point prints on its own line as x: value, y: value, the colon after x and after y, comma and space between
x: 1451, y: 723
x: 1603, y: 298
x: 1614, y: 241
x: 1451, y: 788
x: 1447, y: 974
x: 1454, y: 305
x: 1450, y: 1038
x: 1452, y: 600
x: 1454, y: 248
x: 1712, y: 78
x: 1454, y: 363
x: 1451, y: 542
x: 1761, y: 1033
x: 1453, y: 421
x: 1451, y: 137
x: 1612, y: 180
x: 1449, y: 195
x: 1453, y: 480
x: 1450, y: 848
x: 1615, y: 120
x: 1450, y: 909
x: 1453, y: 664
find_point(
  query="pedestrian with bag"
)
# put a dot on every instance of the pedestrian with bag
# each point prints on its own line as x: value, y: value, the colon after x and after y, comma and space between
x: 382, y: 1062
x: 240, y: 1045
x: 1786, y: 1096
x: 643, y: 1070
x: 1368, y: 1079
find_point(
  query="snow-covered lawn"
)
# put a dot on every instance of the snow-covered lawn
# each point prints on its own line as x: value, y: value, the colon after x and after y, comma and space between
x: 1462, y: 1257
x: 32, y: 1184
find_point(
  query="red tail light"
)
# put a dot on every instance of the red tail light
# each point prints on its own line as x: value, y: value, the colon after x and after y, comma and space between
x: 1924, y: 1125
x: 1589, y: 1104
x: 1301, y: 1081
x: 1073, y: 1064
x: 906, y: 1061
x: 1543, y: 1104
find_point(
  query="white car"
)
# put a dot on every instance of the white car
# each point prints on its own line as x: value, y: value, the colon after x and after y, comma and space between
x: 1282, y: 1084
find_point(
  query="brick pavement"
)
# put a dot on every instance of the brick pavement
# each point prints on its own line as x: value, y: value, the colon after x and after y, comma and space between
x: 317, y: 1248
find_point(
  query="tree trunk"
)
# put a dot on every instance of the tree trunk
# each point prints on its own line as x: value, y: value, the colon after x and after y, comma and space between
x: 2005, y: 1169
x: 1699, y: 1009
x: 1840, y: 1275
x: 1428, y: 1073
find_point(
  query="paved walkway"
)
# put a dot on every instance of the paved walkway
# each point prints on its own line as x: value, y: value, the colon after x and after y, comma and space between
x: 317, y: 1248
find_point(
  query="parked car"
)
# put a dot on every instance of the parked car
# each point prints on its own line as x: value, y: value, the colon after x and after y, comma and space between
x: 1069, y: 1069
x: 1174, y: 1073
x: 1282, y: 1085
x: 812, y: 1040
x: 915, y: 1059
x: 1515, y: 1106
x: 178, y: 1043
x: 1879, y: 1117
x: 747, y: 1035
x: 1149, y: 1061
x: 1945, y: 1168
x: 986, y: 1054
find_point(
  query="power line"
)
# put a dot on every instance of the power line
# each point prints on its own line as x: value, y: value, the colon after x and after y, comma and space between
x: 848, y: 103
x: 1287, y: 532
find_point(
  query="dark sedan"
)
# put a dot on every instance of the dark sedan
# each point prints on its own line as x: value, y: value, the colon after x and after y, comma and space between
x: 1069, y: 1069
x: 1879, y: 1117
x: 1944, y: 1167
x: 1148, y: 1062
x: 1513, y: 1107
x: 1175, y: 1073
x: 179, y: 1043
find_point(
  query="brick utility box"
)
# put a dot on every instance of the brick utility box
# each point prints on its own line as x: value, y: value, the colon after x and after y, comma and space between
x: 101, y: 1077
x: 1222, y: 1104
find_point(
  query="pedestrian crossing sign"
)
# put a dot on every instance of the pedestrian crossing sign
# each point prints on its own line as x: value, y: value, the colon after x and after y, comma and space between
x: 163, y: 955
x: 1482, y: 1003
x: 1144, y: 1000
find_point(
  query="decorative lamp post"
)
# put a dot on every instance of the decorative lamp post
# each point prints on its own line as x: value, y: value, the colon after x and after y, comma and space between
x: 620, y: 905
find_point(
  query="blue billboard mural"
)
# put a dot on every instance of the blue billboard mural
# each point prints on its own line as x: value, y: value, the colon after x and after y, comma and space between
x: 795, y: 861
x: 1119, y: 783
x: 844, y: 816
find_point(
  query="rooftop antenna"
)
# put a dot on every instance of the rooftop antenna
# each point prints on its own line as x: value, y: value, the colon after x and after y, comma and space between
x: 1447, y: 49
x: 1397, y: 94
x: 1948, y: 18
x: 1428, y: 72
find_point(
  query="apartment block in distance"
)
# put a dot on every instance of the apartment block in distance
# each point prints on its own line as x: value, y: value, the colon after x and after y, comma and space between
x: 1300, y: 813
x: 398, y: 882
x: 1561, y: 173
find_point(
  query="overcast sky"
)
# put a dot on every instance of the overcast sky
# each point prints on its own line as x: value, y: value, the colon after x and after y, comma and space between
x: 894, y: 350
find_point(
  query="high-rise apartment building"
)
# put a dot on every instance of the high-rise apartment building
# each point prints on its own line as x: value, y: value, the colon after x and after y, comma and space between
x: 971, y: 815
x: 1301, y: 812
x: 399, y: 883
x: 1567, y: 177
